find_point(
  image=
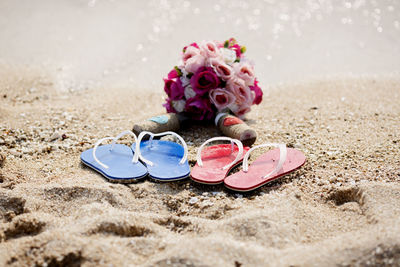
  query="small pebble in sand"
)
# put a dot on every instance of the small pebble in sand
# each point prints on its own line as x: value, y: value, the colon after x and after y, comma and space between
x: 55, y: 136
x: 206, y: 203
x: 2, y: 159
x: 193, y: 200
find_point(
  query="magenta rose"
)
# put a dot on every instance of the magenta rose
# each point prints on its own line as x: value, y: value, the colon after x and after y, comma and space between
x: 236, y: 48
x: 257, y: 91
x: 199, y: 108
x: 173, y: 74
x: 204, y: 80
x: 173, y: 86
x: 221, y: 98
x: 192, y: 44
x: 168, y: 106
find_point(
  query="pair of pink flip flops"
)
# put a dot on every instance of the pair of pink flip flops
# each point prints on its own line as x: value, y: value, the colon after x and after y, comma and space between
x: 215, y: 162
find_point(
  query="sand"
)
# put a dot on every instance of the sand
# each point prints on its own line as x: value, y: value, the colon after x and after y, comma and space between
x: 341, y: 208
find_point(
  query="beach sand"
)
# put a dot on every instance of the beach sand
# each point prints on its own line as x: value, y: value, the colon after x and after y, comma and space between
x: 341, y: 208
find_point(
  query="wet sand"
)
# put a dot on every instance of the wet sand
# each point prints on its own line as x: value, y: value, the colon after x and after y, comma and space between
x: 341, y: 208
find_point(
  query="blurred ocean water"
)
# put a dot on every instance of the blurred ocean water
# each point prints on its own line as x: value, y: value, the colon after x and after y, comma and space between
x: 91, y: 43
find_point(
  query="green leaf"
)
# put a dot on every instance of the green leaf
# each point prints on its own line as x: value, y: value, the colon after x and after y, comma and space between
x: 178, y: 71
x: 226, y: 44
x: 243, y: 49
x: 237, y: 60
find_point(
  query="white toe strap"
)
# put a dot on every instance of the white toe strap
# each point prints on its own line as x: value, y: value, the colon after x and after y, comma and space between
x: 152, y: 135
x: 115, y: 139
x: 95, y: 148
x: 282, y: 158
x: 135, y: 158
x: 222, y: 138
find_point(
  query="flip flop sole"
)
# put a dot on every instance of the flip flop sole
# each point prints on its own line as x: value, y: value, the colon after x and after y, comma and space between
x: 220, y: 181
x: 253, y: 179
x: 200, y: 182
x: 166, y: 156
x: 111, y: 179
x: 261, y: 185
x: 169, y: 180
x: 121, y: 169
x: 214, y: 158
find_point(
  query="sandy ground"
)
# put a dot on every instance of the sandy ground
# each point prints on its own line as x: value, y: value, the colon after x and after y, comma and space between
x: 341, y: 208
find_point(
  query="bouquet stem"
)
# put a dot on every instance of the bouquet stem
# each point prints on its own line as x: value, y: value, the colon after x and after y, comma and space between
x: 236, y: 128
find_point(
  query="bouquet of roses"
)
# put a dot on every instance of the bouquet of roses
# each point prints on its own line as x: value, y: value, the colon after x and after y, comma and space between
x: 213, y: 77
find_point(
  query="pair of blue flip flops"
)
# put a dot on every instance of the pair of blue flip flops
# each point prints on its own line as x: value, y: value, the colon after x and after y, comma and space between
x: 161, y: 160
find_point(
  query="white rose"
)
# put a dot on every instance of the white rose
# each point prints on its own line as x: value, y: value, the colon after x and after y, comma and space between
x: 179, y: 105
x: 184, y: 72
x: 189, y: 92
x: 185, y: 81
x: 228, y: 55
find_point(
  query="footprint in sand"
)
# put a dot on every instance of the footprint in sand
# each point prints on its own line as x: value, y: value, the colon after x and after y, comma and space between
x: 348, y: 199
x: 22, y: 226
x: 121, y: 228
x: 176, y: 224
x: 74, y: 193
x: 10, y: 206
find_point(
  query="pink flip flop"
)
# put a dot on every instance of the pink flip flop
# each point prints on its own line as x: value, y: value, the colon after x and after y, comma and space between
x: 215, y: 162
x: 266, y: 168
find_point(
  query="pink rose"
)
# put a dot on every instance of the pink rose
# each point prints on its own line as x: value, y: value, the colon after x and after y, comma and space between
x: 194, y: 63
x: 241, y: 91
x: 244, y: 97
x: 221, y: 98
x: 190, y: 52
x: 209, y: 49
x: 199, y: 108
x: 244, y: 71
x: 173, y: 87
x: 238, y: 110
x: 222, y: 69
x: 204, y: 80
x: 257, y: 92
x: 192, y: 59
x: 192, y: 44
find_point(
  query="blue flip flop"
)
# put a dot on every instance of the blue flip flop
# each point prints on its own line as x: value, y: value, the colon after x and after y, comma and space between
x: 165, y: 160
x: 116, y: 162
